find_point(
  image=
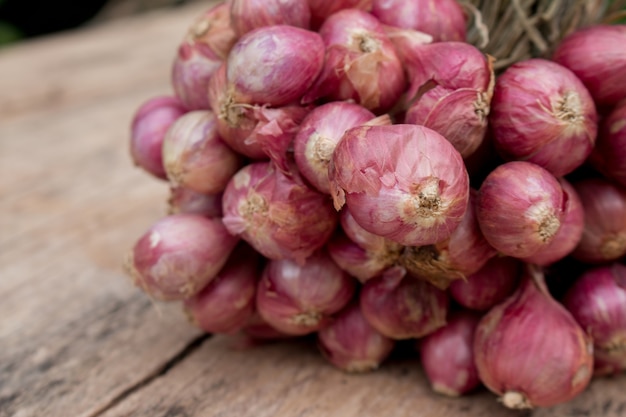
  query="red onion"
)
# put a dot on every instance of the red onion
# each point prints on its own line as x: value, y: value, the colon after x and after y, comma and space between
x: 520, y: 208
x: 462, y: 254
x: 402, y: 306
x: 609, y: 154
x: 258, y: 329
x: 361, y: 63
x: 444, y: 20
x: 604, y: 234
x: 363, y: 238
x: 226, y: 304
x: 149, y: 125
x: 205, y: 46
x: 570, y: 232
x: 606, y: 363
x: 321, y: 9
x: 530, y: 350
x: 277, y: 214
x: 266, y: 66
x: 542, y: 113
x: 195, y: 157
x: 299, y: 299
x: 403, y: 182
x: 247, y: 15
x: 179, y: 255
x: 350, y: 343
x: 489, y: 286
x: 318, y: 135
x: 597, y: 300
x: 184, y: 200
x: 596, y: 55
x: 447, y: 355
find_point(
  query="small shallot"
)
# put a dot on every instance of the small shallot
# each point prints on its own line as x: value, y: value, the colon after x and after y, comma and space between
x: 351, y: 344
x: 530, y: 350
x: 185, y: 200
x: 247, y: 15
x: 179, y: 255
x: 609, y: 154
x: 321, y: 9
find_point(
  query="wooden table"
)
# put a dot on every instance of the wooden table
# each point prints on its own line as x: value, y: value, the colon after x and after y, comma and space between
x: 76, y: 338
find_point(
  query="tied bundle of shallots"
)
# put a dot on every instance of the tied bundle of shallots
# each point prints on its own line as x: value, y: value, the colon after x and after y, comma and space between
x: 355, y: 170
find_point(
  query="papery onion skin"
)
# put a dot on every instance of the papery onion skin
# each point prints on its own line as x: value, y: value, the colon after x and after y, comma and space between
x: 542, y: 113
x: 597, y: 300
x: 447, y: 355
x: 520, y: 208
x: 321, y: 9
x: 570, y: 232
x: 278, y: 215
x: 148, y: 128
x: 462, y: 254
x: 403, y: 182
x: 488, y: 286
x: 206, y: 45
x: 444, y: 20
x: 596, y: 55
x: 194, y: 156
x: 402, y: 306
x: 299, y: 299
x: 530, y: 350
x: 179, y: 255
x: 609, y: 154
x: 318, y: 135
x: 266, y: 66
x: 226, y: 304
x: 604, y: 233
x: 247, y: 15
x: 185, y: 200
x: 361, y: 63
x: 351, y: 344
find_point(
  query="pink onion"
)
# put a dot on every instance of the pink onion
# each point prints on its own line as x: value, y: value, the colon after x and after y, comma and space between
x: 489, y: 286
x: 318, y: 135
x: 205, y: 46
x: 226, y: 304
x: 278, y: 215
x: 597, y: 300
x: 149, y: 125
x: 462, y: 254
x: 402, y: 306
x: 542, y: 113
x: 321, y: 9
x: 451, y: 88
x: 530, y: 350
x: 351, y: 344
x: 195, y: 157
x: 247, y: 15
x: 299, y: 299
x: 258, y: 329
x: 596, y: 55
x: 609, y: 154
x: 266, y: 66
x: 361, y: 63
x: 447, y: 355
x: 444, y: 20
x: 184, y: 200
x: 403, y: 182
x: 604, y: 234
x: 179, y: 255
x: 570, y: 232
x: 520, y: 208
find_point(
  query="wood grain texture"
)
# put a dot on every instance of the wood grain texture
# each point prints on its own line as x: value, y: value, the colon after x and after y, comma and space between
x: 76, y: 338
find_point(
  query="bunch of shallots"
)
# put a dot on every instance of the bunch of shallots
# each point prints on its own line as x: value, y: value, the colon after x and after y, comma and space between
x: 355, y: 170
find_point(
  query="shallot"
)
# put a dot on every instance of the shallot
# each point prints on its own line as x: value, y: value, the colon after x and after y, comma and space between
x: 185, y: 200
x: 247, y: 15
x: 609, y: 154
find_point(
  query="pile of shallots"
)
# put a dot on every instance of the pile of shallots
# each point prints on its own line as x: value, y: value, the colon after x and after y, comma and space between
x: 354, y: 170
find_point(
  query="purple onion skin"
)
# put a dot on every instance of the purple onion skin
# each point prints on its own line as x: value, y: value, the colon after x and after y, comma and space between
x: 149, y: 126
x: 184, y: 200
x: 489, y: 286
x: 542, y: 113
x: 351, y: 344
x: 609, y: 154
x: 322, y: 9
x: 447, y: 355
x: 604, y: 234
x: 247, y: 15
x: 520, y: 208
x: 266, y: 66
x: 597, y: 300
